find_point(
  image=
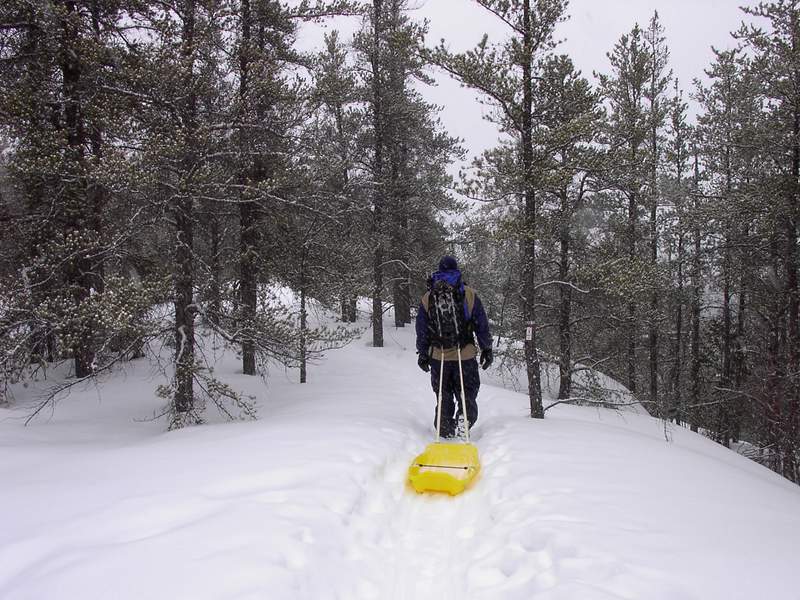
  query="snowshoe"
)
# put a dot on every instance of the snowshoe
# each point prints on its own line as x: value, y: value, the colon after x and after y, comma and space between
x: 461, y: 429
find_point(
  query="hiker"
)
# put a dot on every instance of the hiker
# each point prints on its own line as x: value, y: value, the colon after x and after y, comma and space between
x: 437, y: 329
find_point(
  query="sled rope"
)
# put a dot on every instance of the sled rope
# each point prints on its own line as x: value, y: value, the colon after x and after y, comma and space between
x: 439, y: 400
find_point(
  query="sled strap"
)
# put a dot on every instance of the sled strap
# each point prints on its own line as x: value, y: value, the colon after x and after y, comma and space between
x: 463, y: 395
x: 439, y: 400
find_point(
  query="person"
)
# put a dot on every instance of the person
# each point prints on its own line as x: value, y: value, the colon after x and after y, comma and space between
x: 431, y: 345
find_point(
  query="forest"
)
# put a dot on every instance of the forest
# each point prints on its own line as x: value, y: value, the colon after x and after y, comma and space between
x: 167, y: 166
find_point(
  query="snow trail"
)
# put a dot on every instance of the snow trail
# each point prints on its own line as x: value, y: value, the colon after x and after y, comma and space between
x: 491, y: 541
x: 410, y: 542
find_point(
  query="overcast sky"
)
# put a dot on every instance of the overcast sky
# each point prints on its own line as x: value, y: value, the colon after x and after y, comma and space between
x: 692, y: 27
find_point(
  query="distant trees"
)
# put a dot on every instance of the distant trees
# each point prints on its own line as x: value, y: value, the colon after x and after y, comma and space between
x: 762, y: 124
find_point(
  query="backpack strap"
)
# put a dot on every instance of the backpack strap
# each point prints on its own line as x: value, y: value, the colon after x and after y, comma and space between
x: 426, y: 298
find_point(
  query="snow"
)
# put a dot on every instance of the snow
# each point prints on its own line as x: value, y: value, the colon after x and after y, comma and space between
x: 311, y: 502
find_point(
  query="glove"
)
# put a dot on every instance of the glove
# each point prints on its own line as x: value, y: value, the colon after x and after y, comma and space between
x: 424, y: 362
x: 486, y: 358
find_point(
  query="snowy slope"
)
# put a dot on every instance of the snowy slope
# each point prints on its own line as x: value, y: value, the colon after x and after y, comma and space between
x: 311, y: 502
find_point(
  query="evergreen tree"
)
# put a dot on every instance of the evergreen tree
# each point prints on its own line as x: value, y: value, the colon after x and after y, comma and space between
x: 505, y: 73
x: 677, y: 196
x: 65, y: 108
x: 568, y: 165
x: 337, y: 131
x: 658, y: 108
x: 727, y: 111
x: 632, y: 163
x: 409, y: 155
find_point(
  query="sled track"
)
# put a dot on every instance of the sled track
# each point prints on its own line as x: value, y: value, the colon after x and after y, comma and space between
x: 489, y: 542
x: 413, y: 546
x: 416, y: 547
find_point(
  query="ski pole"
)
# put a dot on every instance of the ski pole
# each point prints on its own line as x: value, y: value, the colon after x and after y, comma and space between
x: 463, y: 395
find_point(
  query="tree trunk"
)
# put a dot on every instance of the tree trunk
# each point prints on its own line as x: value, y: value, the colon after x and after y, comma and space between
x: 184, y: 305
x: 378, y: 189
x: 654, y: 298
x: 529, y: 242
x: 303, y: 322
x: 677, y: 365
x: 565, y: 307
x: 348, y: 303
x: 215, y: 286
x: 398, y: 299
x: 248, y: 284
x: 349, y: 308
x: 723, y: 427
x: 633, y: 326
x: 775, y: 388
x: 404, y: 291
x: 676, y: 396
x: 723, y: 415
x: 184, y: 225
x: 738, y: 358
x: 697, y: 292
x: 97, y: 192
x: 353, y: 310
x: 248, y: 226
x: 77, y: 217
x: 402, y: 285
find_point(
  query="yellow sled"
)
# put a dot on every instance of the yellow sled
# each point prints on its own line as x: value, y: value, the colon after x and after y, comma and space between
x: 444, y: 467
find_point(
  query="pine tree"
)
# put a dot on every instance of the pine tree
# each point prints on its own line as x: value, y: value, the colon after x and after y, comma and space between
x: 660, y: 77
x: 725, y: 113
x: 628, y: 130
x: 568, y: 164
x: 373, y: 44
x: 264, y: 109
x: 409, y: 156
x: 335, y: 149
x: 505, y: 73
x: 778, y: 62
x: 65, y: 106
x: 178, y: 78
x: 677, y: 159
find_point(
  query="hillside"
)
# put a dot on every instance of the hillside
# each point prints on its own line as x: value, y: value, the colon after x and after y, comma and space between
x: 310, y: 501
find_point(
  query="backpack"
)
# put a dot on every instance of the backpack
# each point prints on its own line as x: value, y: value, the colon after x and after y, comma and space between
x: 449, y: 323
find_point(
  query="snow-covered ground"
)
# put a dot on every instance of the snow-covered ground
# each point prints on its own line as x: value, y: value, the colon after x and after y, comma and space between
x: 310, y: 502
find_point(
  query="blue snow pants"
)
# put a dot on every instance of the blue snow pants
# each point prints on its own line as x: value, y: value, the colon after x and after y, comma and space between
x: 451, y: 392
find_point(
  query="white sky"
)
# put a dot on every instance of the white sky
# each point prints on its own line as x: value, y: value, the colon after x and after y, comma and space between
x: 692, y: 27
